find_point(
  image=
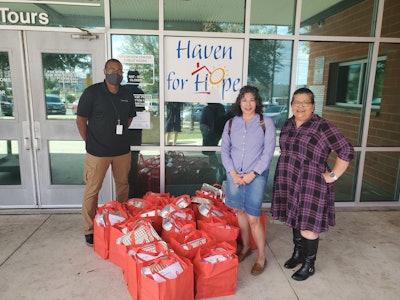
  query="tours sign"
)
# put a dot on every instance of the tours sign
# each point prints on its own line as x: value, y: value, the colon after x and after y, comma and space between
x: 203, y: 69
x: 8, y: 16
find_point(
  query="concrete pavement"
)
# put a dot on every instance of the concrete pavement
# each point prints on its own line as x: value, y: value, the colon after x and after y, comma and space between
x: 43, y: 256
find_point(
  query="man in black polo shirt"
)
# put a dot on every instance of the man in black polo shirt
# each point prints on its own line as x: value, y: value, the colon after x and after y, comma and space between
x: 104, y: 114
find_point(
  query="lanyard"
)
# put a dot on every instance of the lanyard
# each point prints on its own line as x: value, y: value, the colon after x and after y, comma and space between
x: 116, y: 111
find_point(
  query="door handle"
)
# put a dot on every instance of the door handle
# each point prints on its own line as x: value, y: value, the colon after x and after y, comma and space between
x: 37, y: 135
x: 27, y: 135
x: 27, y: 144
x: 37, y: 143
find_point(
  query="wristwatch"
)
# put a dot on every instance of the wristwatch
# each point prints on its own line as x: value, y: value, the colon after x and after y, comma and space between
x: 333, y: 176
x: 255, y: 173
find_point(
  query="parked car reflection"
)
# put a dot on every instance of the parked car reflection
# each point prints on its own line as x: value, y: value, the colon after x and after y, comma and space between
x: 278, y: 113
x: 6, y: 106
x: 54, y: 105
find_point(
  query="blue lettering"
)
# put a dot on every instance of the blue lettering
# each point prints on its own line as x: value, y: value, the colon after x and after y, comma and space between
x: 175, y: 83
x: 179, y: 49
x: 199, y: 81
x: 228, y: 84
x: 203, y: 51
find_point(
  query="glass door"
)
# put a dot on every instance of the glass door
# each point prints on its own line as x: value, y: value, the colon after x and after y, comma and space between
x: 60, y: 68
x: 57, y: 69
x: 17, y: 176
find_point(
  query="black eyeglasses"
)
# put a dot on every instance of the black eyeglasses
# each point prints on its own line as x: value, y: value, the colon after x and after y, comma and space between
x: 303, y: 104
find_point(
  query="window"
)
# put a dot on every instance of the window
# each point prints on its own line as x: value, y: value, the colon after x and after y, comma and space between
x: 205, y: 16
x: 274, y: 23
x: 347, y: 79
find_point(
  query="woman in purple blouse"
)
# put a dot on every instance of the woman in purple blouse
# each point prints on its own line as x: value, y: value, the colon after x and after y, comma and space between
x: 303, y: 195
x: 247, y: 147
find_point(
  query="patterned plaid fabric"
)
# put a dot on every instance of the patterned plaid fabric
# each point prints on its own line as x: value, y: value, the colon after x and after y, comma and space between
x: 301, y: 197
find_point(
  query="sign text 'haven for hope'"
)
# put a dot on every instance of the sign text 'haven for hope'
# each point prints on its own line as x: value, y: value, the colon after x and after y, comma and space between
x: 203, y: 69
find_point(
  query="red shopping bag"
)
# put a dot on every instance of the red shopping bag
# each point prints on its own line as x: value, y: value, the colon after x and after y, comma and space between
x: 229, y: 213
x: 136, y: 205
x: 178, y: 230
x: 151, y: 214
x: 117, y: 250
x: 138, y: 232
x: 175, y: 212
x: 175, y: 220
x: 180, y: 287
x: 181, y: 201
x: 207, y: 212
x: 107, y: 215
x: 146, y: 208
x: 101, y: 236
x: 114, y: 255
x: 135, y: 233
x: 220, y: 230
x: 135, y: 258
x: 156, y: 202
x: 211, y: 192
x: 158, y: 198
x: 215, y: 271
x: 191, y: 243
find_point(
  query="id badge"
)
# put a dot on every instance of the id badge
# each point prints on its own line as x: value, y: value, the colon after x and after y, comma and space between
x: 118, y: 129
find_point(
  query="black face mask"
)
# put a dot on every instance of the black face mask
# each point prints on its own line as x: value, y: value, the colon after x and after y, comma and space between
x: 114, y: 79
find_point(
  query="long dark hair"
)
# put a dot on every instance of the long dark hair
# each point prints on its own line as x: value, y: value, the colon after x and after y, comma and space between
x: 236, y: 110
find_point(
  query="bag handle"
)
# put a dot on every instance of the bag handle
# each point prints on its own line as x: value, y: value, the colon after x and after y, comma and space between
x: 216, y: 221
x: 159, y: 248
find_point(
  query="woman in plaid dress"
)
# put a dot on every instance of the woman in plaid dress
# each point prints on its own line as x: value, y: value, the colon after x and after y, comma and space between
x: 303, y: 196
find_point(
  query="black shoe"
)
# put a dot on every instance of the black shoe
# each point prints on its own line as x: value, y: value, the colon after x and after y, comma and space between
x: 307, y: 268
x: 298, y: 252
x: 89, y: 239
x: 296, y: 259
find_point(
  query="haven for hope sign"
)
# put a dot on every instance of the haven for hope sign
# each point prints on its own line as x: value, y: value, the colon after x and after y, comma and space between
x: 203, y: 69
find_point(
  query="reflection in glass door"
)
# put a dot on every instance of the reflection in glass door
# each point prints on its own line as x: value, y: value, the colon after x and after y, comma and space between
x: 10, y: 173
x: 9, y: 160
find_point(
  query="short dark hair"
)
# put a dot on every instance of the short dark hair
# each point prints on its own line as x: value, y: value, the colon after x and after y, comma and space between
x: 236, y: 110
x: 304, y: 91
x: 111, y: 60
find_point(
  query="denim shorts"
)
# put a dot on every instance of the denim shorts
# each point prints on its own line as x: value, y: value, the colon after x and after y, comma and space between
x: 249, y: 197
